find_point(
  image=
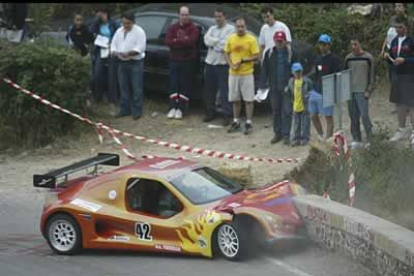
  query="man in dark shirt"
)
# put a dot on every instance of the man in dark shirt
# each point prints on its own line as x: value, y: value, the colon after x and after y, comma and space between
x: 401, y: 54
x: 325, y: 64
x: 182, y: 39
x: 79, y: 35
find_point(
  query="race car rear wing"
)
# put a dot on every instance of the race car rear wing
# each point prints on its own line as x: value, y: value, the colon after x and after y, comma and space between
x: 60, y: 176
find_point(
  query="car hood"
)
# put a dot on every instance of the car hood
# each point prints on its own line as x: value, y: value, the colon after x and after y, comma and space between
x: 275, y: 199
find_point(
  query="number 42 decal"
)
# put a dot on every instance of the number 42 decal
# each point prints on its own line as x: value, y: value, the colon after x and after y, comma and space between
x: 143, y: 231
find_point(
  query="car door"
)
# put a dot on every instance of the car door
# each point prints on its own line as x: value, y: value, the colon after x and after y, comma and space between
x: 154, y: 26
x: 154, y: 213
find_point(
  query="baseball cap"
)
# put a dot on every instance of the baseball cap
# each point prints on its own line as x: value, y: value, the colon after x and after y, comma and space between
x: 297, y: 67
x: 279, y: 36
x: 324, y: 38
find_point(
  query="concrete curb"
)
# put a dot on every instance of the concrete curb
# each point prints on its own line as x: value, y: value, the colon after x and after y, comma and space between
x: 385, y: 247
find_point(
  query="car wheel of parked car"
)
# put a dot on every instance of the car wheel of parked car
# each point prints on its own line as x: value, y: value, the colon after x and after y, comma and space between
x: 231, y: 241
x: 63, y: 234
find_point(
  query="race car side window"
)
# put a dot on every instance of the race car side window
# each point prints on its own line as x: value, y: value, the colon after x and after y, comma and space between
x: 151, y: 197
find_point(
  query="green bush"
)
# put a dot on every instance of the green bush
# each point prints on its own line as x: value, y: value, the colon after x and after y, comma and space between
x: 383, y: 175
x: 55, y: 73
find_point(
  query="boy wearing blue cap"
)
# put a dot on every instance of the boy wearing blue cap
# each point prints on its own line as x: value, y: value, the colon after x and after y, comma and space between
x: 298, y: 90
x: 325, y: 64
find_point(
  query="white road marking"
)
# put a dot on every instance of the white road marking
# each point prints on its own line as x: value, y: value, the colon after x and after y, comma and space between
x: 288, y: 267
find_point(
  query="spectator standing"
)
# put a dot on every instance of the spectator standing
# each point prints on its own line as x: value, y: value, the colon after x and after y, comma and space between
x: 363, y: 77
x: 217, y: 69
x: 241, y: 51
x: 183, y: 39
x: 400, y: 10
x: 266, y: 42
x: 325, y: 64
x: 401, y: 54
x: 129, y: 44
x: 298, y: 91
x: 278, y: 68
x: 79, y: 36
x: 105, y: 66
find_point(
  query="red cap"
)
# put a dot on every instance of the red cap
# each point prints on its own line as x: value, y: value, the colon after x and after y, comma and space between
x: 279, y: 36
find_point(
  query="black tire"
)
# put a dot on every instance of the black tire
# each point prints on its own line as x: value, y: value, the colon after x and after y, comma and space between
x: 236, y: 249
x: 63, y: 235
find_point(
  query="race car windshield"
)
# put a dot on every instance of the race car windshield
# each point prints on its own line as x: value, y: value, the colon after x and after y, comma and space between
x: 205, y: 185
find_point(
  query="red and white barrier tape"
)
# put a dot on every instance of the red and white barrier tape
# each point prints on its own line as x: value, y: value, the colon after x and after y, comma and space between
x: 351, y: 187
x: 100, y: 126
x: 340, y: 143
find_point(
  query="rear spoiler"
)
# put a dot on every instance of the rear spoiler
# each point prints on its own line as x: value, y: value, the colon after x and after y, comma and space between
x: 53, y: 178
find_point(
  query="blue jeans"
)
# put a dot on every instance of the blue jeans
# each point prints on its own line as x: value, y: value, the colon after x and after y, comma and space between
x: 217, y: 78
x: 301, y: 126
x: 281, y: 113
x: 131, y: 80
x: 358, y: 108
x: 182, y: 77
x: 105, y: 79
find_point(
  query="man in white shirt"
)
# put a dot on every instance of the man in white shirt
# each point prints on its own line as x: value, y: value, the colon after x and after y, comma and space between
x: 129, y: 45
x: 217, y: 69
x: 267, y: 43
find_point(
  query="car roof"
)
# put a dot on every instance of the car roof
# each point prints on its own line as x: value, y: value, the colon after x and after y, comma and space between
x: 160, y: 167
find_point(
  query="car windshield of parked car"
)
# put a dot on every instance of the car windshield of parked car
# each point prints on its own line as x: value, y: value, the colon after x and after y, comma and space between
x: 205, y: 185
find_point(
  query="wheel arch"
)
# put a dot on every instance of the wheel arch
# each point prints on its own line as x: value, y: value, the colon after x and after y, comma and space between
x: 61, y: 212
x: 244, y: 219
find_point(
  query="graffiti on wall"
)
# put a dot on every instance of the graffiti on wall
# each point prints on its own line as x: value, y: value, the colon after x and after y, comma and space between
x: 358, y: 244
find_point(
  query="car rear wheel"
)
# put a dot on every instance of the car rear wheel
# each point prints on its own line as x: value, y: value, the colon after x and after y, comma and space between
x: 63, y: 235
x: 231, y: 242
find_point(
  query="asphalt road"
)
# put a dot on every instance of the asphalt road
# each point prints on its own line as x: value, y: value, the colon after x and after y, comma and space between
x: 23, y: 251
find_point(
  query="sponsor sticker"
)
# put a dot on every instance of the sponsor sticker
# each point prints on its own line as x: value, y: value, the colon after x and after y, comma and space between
x: 112, y: 195
x: 234, y: 205
x: 168, y: 247
x: 164, y: 164
x: 119, y: 238
x: 86, y: 205
x: 202, y: 243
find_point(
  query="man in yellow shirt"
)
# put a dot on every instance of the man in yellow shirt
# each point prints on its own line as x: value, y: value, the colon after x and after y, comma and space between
x: 241, y: 51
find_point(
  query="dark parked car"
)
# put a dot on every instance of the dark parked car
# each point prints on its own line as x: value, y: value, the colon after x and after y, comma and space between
x: 155, y: 20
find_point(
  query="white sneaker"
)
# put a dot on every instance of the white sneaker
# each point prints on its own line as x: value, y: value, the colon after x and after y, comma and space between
x: 357, y: 145
x: 171, y: 114
x: 178, y: 114
x: 321, y: 138
x: 412, y: 139
x: 112, y: 110
x: 399, y: 135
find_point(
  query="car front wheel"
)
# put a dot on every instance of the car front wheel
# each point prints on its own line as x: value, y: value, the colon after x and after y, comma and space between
x: 63, y: 235
x: 231, y: 242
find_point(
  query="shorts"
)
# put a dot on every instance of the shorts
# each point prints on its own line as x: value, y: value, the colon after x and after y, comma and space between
x: 315, y: 105
x: 241, y: 87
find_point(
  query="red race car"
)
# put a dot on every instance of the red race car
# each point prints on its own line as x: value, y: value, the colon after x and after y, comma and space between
x: 165, y: 205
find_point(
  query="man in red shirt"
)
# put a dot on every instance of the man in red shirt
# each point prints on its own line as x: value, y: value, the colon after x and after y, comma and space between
x: 182, y: 39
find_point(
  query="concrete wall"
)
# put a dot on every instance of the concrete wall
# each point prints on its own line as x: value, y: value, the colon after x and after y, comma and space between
x: 384, y: 247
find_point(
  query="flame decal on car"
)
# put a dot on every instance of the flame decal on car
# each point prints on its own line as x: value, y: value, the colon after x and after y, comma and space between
x: 199, y: 233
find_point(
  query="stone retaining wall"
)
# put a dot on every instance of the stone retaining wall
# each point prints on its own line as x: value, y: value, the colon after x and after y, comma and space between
x: 384, y: 247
